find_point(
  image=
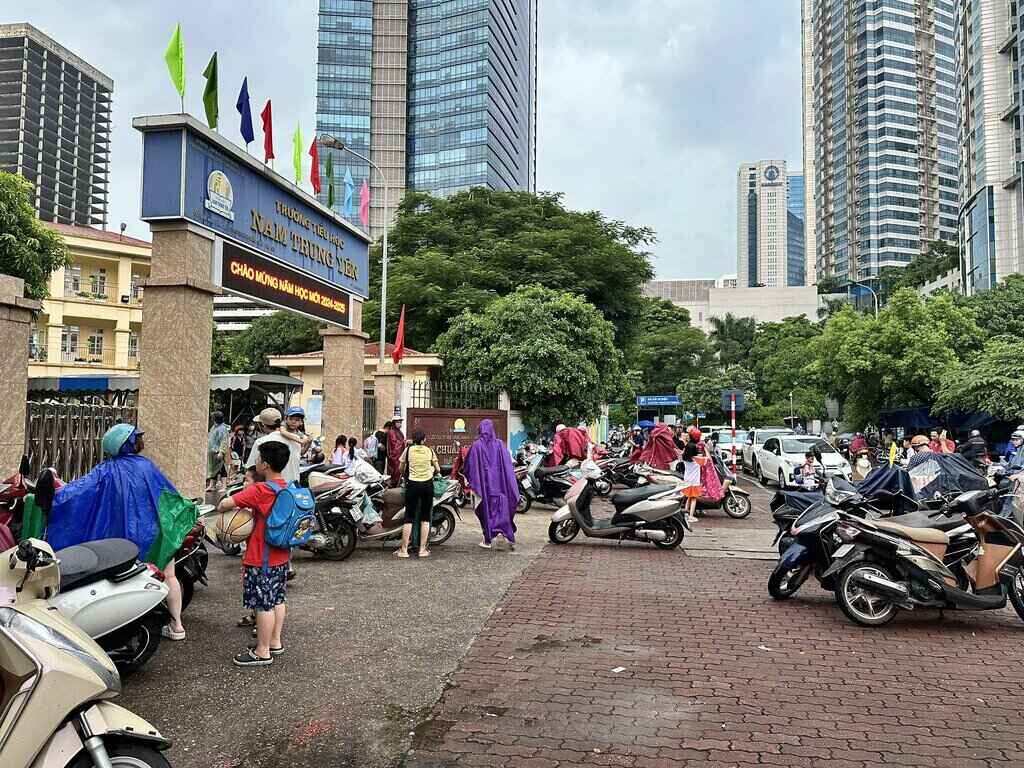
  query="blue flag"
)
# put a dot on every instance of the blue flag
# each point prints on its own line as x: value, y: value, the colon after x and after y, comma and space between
x: 242, y: 105
x: 349, y: 188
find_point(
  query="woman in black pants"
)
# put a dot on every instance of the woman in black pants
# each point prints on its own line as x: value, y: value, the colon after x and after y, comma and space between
x: 419, y: 465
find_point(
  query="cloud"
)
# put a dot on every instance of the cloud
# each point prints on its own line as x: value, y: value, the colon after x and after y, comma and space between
x: 646, y: 107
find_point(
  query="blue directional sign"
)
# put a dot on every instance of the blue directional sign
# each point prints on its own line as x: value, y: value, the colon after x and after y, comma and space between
x: 727, y: 395
x: 658, y: 401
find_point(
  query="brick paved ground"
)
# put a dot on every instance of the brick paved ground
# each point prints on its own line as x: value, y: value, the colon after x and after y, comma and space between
x: 716, y: 674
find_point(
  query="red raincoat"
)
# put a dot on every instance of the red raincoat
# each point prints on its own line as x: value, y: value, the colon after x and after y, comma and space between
x: 659, y: 451
x: 570, y: 443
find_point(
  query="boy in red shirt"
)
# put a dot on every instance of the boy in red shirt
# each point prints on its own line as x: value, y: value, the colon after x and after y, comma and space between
x: 263, y: 589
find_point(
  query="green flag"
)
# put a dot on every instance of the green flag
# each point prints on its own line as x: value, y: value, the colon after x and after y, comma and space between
x: 210, y: 91
x: 330, y: 181
x: 175, y: 58
x: 297, y: 154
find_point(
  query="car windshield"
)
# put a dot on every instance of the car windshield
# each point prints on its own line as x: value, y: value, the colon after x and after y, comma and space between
x: 764, y: 434
x: 802, y: 446
x: 725, y: 438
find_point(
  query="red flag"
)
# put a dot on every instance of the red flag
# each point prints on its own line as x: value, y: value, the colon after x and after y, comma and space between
x: 364, y: 204
x: 399, y: 351
x: 268, y: 133
x: 314, y: 168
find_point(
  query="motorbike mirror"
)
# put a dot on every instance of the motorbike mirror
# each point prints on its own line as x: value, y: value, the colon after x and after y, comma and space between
x: 817, y: 453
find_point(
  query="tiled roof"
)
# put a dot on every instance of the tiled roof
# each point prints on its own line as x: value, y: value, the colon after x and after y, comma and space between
x: 90, y: 233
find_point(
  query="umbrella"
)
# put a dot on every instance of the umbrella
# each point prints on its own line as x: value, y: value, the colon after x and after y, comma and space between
x: 645, y: 424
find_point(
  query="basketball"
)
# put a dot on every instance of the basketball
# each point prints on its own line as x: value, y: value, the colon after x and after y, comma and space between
x: 234, y: 526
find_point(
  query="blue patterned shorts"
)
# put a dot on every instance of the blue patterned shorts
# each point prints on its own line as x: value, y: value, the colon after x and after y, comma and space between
x: 262, y: 590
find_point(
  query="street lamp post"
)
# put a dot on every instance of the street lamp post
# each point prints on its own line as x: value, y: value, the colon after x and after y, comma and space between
x: 873, y: 294
x: 333, y: 143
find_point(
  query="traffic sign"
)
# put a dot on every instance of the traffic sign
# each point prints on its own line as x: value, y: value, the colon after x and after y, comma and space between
x: 727, y: 395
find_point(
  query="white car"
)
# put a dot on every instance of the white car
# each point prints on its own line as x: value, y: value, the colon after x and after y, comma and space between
x: 779, y: 457
x: 755, y: 439
x: 724, y: 442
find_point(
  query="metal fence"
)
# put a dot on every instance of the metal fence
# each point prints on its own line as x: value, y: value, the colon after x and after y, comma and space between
x: 453, y: 394
x: 67, y: 436
x: 369, y: 410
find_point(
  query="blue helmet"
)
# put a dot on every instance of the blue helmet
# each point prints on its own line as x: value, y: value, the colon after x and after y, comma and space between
x: 115, y: 438
x: 295, y: 410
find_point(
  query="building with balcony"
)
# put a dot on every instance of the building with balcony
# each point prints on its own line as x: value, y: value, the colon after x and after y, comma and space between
x: 55, y: 125
x: 882, y: 90
x: 91, y: 321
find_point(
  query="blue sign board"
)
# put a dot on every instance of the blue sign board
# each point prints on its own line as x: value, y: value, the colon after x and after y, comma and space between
x: 192, y: 173
x: 727, y: 396
x: 658, y: 401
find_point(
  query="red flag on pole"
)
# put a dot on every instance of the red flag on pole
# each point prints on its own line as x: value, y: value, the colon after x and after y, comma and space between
x: 314, y: 168
x: 399, y: 351
x: 268, y: 133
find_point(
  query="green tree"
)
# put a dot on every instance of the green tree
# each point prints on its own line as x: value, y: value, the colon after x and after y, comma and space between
x: 463, y: 252
x: 282, y: 333
x: 28, y: 249
x: 1000, y: 311
x: 731, y: 337
x: 666, y: 349
x: 551, y: 351
x: 703, y: 393
x: 779, y: 355
x: 989, y: 382
x: 939, y: 258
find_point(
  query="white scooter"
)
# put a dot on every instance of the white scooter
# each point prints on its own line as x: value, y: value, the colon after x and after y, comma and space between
x: 56, y: 682
x: 114, y: 598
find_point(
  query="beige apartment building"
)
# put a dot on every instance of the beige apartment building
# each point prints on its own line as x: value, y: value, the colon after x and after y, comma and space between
x: 91, y: 321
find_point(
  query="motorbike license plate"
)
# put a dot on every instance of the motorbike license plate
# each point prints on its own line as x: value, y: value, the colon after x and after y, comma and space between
x: 526, y: 483
x: 842, y: 552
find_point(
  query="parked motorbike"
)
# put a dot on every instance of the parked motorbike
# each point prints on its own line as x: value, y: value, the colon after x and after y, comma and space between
x: 117, y: 600
x: 546, y: 485
x: 192, y: 558
x: 735, y: 501
x: 883, y: 567
x: 340, y: 516
x: 57, y: 681
x: 652, y: 514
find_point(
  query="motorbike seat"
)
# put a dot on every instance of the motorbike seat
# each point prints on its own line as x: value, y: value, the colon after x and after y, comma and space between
x: 95, y: 561
x: 924, y: 520
x: 924, y: 535
x: 625, y: 499
x: 548, y: 471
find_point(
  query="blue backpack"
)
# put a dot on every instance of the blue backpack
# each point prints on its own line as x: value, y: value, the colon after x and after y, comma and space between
x: 291, y: 521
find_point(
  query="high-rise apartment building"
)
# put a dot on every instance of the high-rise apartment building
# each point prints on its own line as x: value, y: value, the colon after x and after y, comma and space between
x: 988, y: 71
x: 440, y: 94
x: 807, y: 104
x: 769, y: 236
x: 885, y: 131
x: 55, y: 125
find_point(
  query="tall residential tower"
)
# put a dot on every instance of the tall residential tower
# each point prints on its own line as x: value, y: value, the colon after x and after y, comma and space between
x: 440, y: 94
x: 55, y: 125
x: 885, y: 131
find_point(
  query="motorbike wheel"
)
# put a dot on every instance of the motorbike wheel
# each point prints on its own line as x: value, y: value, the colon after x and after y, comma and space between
x: 859, y: 605
x: 784, y: 583
x: 131, y: 647
x: 603, y: 486
x: 736, y: 506
x: 345, y: 540
x: 125, y: 755
x: 524, y: 504
x: 563, y: 531
x: 675, y: 532
x: 442, y: 529
x: 1017, y: 594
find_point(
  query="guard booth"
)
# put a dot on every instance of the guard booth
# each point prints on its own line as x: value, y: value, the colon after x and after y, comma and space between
x: 223, y: 221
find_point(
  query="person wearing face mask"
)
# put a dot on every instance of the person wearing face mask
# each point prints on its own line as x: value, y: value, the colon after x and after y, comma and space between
x: 1013, y: 461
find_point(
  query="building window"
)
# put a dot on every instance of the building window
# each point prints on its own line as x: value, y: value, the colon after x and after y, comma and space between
x: 133, y: 345
x: 72, y: 280
x: 96, y: 344
x: 69, y: 343
x: 136, y: 288
x: 98, y: 284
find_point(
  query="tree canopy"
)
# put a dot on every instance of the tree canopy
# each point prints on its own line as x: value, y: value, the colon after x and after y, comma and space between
x: 282, y: 333
x: 1000, y: 311
x: 551, y: 351
x: 27, y: 248
x: 989, y: 382
x: 461, y: 253
x: 731, y: 337
x: 665, y: 349
x: 939, y: 258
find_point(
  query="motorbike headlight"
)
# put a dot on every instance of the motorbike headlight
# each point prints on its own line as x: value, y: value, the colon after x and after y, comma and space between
x: 20, y: 624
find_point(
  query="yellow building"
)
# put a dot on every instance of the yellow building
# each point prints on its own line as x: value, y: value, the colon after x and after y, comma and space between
x: 91, y: 322
x: 309, y: 367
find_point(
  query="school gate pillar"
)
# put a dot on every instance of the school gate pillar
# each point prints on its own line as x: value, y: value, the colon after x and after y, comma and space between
x: 174, y: 353
x: 16, y: 317
x: 224, y: 221
x: 387, y: 388
x: 343, y: 384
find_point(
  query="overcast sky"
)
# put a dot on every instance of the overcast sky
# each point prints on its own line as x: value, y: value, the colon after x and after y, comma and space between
x: 647, y: 107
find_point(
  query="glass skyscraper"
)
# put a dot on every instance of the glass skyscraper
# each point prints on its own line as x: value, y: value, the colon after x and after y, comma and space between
x: 885, y: 131
x: 795, y: 231
x: 440, y: 94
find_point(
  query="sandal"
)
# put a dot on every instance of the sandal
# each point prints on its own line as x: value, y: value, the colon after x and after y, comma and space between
x: 273, y: 651
x: 401, y: 554
x: 248, y: 658
x: 424, y: 553
x: 170, y: 634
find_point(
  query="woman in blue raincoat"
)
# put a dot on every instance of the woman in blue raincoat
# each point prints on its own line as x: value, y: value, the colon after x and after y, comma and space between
x: 127, y: 497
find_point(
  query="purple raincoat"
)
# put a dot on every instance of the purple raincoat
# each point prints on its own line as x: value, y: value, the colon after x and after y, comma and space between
x: 492, y: 478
